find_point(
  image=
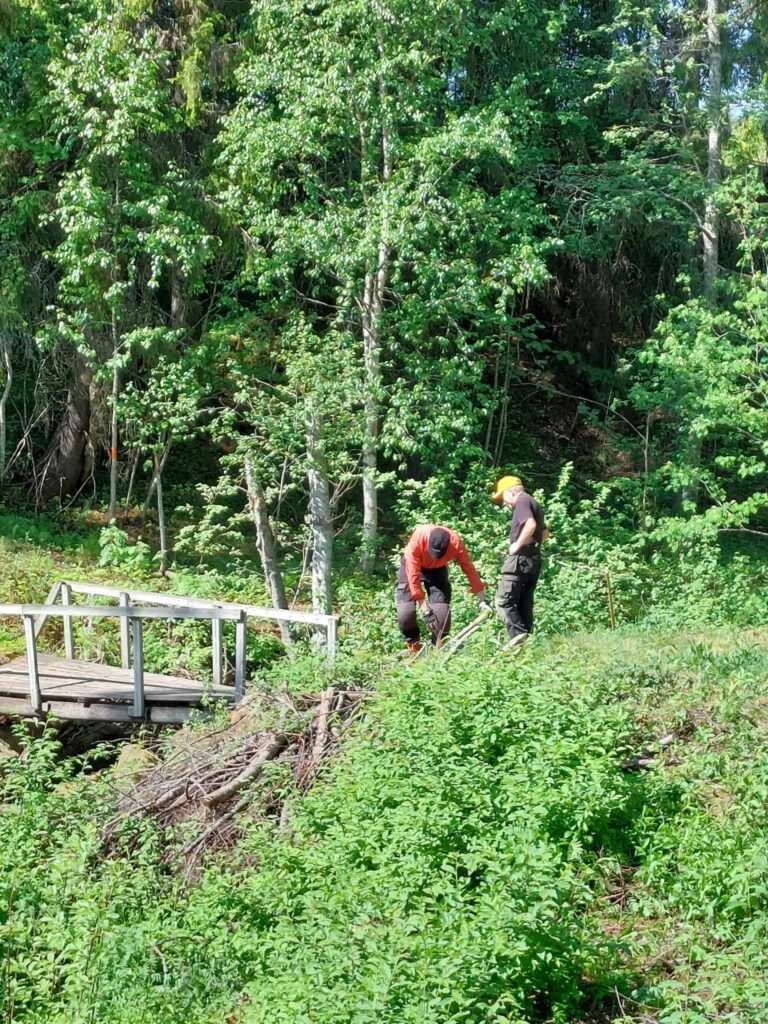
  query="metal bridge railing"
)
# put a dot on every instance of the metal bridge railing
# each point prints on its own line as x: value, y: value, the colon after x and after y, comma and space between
x: 132, y: 621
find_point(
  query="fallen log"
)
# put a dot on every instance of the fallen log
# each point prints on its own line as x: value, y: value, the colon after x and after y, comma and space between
x: 317, y: 753
x: 276, y: 744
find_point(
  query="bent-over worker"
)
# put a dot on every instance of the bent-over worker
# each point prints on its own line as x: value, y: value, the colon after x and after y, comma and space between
x: 425, y: 564
x: 520, y: 572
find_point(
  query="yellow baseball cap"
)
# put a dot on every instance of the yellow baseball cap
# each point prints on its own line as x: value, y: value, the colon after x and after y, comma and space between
x: 504, y: 484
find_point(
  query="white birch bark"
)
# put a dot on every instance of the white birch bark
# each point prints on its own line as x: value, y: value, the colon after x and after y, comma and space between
x: 153, y: 481
x: 710, y: 231
x: 372, y: 305
x: 161, y: 515
x: 319, y: 517
x: 114, y: 422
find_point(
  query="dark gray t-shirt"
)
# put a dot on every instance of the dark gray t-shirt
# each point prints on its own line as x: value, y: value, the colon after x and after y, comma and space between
x: 525, y: 508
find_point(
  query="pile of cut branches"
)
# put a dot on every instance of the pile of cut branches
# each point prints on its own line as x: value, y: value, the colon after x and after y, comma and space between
x: 200, y: 782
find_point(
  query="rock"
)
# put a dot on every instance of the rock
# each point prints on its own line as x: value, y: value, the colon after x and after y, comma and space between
x: 132, y: 761
x: 7, y: 752
x: 9, y: 745
x: 239, y: 714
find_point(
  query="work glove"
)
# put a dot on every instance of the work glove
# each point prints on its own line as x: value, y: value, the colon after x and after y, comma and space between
x: 484, y: 606
x: 429, y: 615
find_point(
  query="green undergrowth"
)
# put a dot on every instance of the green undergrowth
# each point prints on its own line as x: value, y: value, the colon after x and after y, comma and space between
x: 485, y: 848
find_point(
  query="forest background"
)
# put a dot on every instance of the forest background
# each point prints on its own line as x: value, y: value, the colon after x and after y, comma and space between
x: 321, y: 272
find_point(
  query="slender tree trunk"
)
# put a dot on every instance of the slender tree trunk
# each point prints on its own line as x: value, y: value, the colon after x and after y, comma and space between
x: 319, y: 517
x: 489, y: 428
x: 714, y: 154
x: 372, y: 305
x: 265, y: 540
x: 159, y: 462
x: 711, y: 228
x: 5, y: 351
x: 153, y: 481
x: 132, y: 480
x: 504, y: 412
x: 114, y: 422
x: 178, y: 298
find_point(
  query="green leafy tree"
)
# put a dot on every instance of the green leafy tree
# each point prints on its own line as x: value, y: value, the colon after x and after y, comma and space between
x: 377, y: 161
x: 29, y: 158
x: 129, y: 215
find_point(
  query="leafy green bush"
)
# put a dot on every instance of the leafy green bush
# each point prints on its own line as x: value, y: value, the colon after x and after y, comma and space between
x: 444, y: 871
x: 704, y: 868
x: 459, y: 862
x: 118, y: 552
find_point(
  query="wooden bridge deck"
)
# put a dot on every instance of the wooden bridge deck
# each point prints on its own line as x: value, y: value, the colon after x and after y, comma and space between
x: 41, y: 684
x: 80, y: 690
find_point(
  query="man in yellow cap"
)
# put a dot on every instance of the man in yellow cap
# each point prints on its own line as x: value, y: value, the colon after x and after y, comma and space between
x: 520, y: 572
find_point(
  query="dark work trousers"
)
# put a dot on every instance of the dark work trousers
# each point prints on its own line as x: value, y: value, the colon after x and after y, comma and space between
x: 437, y: 587
x: 514, y: 598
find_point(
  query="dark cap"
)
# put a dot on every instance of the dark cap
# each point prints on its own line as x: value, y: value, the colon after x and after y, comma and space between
x: 439, y: 539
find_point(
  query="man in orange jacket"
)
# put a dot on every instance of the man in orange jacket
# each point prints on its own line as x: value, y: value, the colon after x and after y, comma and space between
x: 425, y: 564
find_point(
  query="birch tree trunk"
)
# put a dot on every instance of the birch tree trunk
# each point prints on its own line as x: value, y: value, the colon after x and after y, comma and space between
x: 161, y: 514
x: 710, y: 229
x: 372, y: 306
x: 178, y: 297
x: 5, y: 352
x: 153, y: 481
x: 132, y: 479
x: 265, y: 541
x: 319, y: 518
x: 114, y: 423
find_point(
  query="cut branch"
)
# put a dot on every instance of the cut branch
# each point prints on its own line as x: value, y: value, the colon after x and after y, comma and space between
x: 275, y: 746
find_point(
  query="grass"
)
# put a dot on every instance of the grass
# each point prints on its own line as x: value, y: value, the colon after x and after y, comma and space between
x: 578, y: 833
x: 485, y: 850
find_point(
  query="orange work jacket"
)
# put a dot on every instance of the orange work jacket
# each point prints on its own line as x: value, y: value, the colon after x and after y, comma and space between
x: 417, y: 557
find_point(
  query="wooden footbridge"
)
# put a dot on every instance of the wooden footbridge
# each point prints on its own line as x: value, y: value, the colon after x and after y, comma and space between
x: 38, y: 685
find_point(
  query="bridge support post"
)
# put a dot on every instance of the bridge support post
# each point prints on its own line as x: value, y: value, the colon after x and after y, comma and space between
x: 125, y: 632
x: 331, y: 636
x: 218, y: 652
x: 35, y: 698
x: 241, y: 635
x: 69, y: 632
x: 139, y: 704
